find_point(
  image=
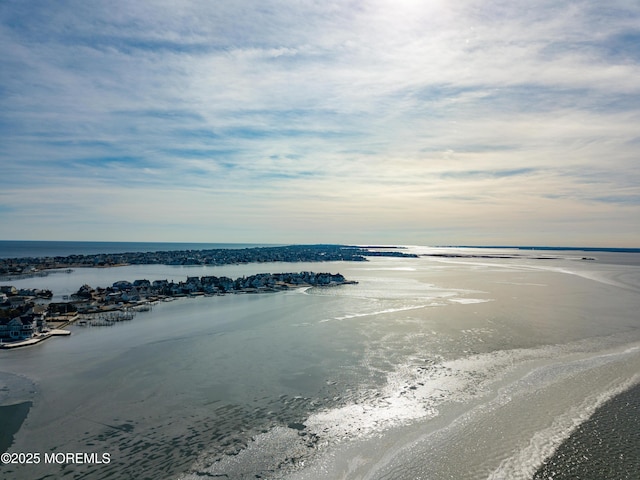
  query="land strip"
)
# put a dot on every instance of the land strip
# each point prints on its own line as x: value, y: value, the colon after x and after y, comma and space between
x: 24, y: 322
x: 13, y: 268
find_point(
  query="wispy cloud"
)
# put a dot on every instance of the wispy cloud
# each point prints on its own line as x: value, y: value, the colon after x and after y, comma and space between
x: 315, y: 121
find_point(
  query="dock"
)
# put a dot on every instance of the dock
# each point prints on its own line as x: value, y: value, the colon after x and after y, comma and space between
x: 56, y: 332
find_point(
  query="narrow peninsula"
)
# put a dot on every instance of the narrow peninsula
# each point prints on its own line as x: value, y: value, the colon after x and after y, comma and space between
x: 25, y: 320
x: 28, y: 316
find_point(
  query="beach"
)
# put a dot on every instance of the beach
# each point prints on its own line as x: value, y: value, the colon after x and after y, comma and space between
x: 604, y: 446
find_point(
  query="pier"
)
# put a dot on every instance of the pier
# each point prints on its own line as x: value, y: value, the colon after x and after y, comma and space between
x: 107, y: 319
x: 35, y: 340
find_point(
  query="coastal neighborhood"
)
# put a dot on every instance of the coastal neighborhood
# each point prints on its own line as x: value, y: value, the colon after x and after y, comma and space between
x: 124, y: 294
x: 21, y: 317
x: 36, y: 266
x: 29, y: 316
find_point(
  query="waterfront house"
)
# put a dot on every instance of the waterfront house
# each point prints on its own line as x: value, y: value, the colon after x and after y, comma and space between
x: 18, y: 328
x: 17, y: 301
x: 131, y: 295
x: 122, y: 285
x: 113, y: 297
x: 194, y: 284
x: 84, y: 305
x: 210, y: 280
x: 8, y: 290
x: 4, y: 328
x: 226, y: 284
x: 143, y: 287
x: 190, y: 286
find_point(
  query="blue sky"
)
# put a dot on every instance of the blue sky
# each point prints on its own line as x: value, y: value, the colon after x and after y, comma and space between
x: 414, y: 122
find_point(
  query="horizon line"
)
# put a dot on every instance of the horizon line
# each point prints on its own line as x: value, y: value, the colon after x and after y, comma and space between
x: 362, y: 245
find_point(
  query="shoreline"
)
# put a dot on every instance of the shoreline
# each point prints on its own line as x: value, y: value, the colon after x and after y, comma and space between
x: 123, y: 299
x: 587, y: 454
x: 34, y: 266
x: 56, y: 332
x: 11, y: 419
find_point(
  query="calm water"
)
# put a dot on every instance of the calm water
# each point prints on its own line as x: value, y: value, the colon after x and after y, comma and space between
x: 21, y: 248
x: 428, y: 368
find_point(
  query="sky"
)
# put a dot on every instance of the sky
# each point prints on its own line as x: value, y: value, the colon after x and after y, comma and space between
x: 433, y: 122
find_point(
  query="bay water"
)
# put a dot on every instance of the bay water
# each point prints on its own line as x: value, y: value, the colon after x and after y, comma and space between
x: 42, y: 248
x: 429, y: 367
